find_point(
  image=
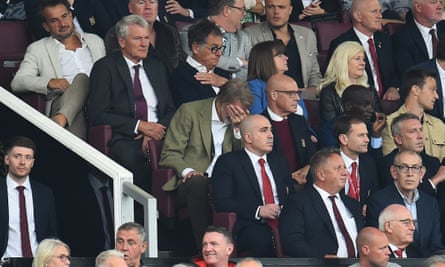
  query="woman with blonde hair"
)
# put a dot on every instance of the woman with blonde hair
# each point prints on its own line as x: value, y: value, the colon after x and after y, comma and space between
x: 346, y: 67
x: 52, y: 253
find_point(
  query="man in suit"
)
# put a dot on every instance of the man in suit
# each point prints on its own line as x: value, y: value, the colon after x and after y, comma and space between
x: 352, y: 135
x: 131, y: 240
x: 135, y: 102
x: 321, y: 221
x: 198, y: 134
x: 18, y: 238
x: 415, y: 42
x: 292, y: 136
x: 58, y: 67
x: 367, y: 30
x: 399, y: 226
x: 239, y: 186
x: 407, y: 170
x: 418, y: 94
x: 227, y: 14
x: 300, y: 42
x: 373, y: 247
x: 199, y: 77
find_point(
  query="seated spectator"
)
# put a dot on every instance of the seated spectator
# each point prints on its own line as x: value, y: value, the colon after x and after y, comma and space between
x: 321, y: 222
x: 292, y: 135
x: 227, y: 14
x: 300, y: 42
x: 130, y: 92
x: 418, y: 93
x: 395, y: 9
x: 407, y: 170
x: 265, y: 59
x: 52, y: 253
x: 346, y: 67
x: 198, y: 77
x: 164, y: 39
x: 199, y: 133
x: 397, y: 223
x: 232, y: 179
x: 110, y: 258
x: 249, y: 262
x: 310, y: 9
x: 373, y: 249
x: 434, y: 261
x: 58, y: 67
x: 131, y: 242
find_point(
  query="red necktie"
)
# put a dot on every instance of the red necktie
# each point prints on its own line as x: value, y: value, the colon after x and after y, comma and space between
x: 344, y: 232
x: 139, y: 100
x: 399, y: 253
x: 434, y: 42
x: 354, y: 188
x: 375, y: 63
x: 24, y: 232
x: 267, y: 191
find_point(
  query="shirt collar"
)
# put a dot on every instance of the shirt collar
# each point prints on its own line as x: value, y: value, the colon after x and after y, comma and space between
x: 78, y: 34
x: 274, y: 116
x: 324, y: 194
x: 405, y: 199
x: 425, y: 31
x: 196, y: 65
x: 130, y: 63
x: 362, y: 37
x: 254, y: 157
x: 348, y: 161
x: 12, y: 185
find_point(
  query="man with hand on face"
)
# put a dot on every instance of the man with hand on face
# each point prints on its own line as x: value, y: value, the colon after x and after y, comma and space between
x: 198, y: 134
x: 131, y: 241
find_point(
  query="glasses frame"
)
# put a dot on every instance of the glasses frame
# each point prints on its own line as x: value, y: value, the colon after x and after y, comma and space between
x: 406, y: 222
x: 215, y: 49
x: 241, y: 9
x: 291, y: 94
x: 416, y: 169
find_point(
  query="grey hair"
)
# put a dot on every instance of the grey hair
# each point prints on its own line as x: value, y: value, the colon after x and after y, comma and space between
x: 104, y: 255
x: 249, y: 259
x: 134, y: 226
x: 396, y: 124
x: 433, y: 260
x: 122, y: 25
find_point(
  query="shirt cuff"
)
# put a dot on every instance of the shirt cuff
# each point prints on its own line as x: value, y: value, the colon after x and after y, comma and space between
x: 257, y: 213
x: 432, y: 184
x: 192, y: 15
x: 136, y: 128
x: 376, y: 142
x: 186, y: 171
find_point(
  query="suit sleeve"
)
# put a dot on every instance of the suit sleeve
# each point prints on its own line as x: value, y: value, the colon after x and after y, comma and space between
x: 373, y: 209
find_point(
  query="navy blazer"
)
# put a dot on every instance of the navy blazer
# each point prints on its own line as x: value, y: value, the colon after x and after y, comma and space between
x: 427, y: 238
x: 384, y: 50
x: 44, y: 213
x: 368, y: 177
x: 235, y: 185
x: 306, y: 229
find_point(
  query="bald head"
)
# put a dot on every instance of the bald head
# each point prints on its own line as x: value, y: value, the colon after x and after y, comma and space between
x: 373, y: 248
x: 282, y: 94
x: 368, y: 235
x: 256, y: 132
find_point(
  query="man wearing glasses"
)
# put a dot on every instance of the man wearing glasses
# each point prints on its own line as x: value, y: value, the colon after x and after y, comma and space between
x: 199, y: 77
x: 407, y: 171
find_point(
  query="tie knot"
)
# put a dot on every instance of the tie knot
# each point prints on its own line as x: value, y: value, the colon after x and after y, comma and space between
x: 136, y: 67
x: 20, y: 188
x: 432, y: 31
x: 332, y: 198
x: 399, y: 253
x: 354, y: 165
x: 261, y: 161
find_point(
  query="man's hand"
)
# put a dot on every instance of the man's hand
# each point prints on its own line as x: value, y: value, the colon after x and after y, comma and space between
x: 153, y: 130
x: 55, y: 84
x: 269, y: 211
x: 314, y: 9
x: 439, y: 176
x: 301, y: 174
x: 211, y: 79
x: 379, y: 124
x: 236, y: 114
x: 391, y: 94
x: 190, y: 175
x: 173, y: 7
x: 145, y: 144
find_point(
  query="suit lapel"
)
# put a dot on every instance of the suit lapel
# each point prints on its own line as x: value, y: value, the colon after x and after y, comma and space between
x: 301, y: 48
x: 52, y: 50
x: 124, y: 72
x: 205, y: 127
x: 4, y: 213
x: 321, y: 209
x: 250, y: 174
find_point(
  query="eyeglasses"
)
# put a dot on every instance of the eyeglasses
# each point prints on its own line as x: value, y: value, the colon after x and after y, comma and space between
x: 63, y: 257
x: 406, y: 222
x: 290, y: 93
x: 214, y: 49
x: 241, y: 9
x: 405, y: 168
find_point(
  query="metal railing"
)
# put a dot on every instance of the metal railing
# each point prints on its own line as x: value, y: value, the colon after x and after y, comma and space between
x: 124, y: 191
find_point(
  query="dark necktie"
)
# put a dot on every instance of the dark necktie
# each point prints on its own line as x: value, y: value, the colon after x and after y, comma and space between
x: 354, y: 188
x: 267, y: 191
x: 344, y: 232
x: 375, y: 63
x: 434, y: 42
x: 399, y: 253
x: 139, y: 100
x: 107, y: 209
x: 24, y: 231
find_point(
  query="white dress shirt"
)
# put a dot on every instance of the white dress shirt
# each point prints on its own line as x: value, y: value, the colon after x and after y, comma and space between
x: 425, y: 32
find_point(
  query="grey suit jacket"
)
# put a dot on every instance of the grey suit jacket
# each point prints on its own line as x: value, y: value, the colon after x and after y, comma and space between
x: 307, y: 49
x: 41, y: 64
x: 239, y: 45
x: 188, y: 143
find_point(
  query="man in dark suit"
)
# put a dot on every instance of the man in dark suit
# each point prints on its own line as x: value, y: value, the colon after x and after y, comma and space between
x: 352, y: 135
x: 18, y: 239
x: 413, y: 43
x: 137, y: 104
x: 321, y: 222
x: 367, y: 30
x: 407, y: 170
x: 239, y: 186
x: 291, y: 132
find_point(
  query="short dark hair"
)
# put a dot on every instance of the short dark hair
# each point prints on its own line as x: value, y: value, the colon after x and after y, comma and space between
x: 344, y: 124
x: 414, y: 77
x: 261, y: 63
x: 357, y: 95
x: 233, y: 90
x: 20, y: 141
x: 216, y: 6
x: 397, y: 121
x: 51, y: 3
x: 200, y: 31
x: 320, y: 158
x: 219, y: 229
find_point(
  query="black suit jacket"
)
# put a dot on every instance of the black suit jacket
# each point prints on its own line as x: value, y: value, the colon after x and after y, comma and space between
x: 304, y: 147
x: 297, y: 8
x: 368, y: 177
x: 409, y: 47
x: 111, y: 99
x: 427, y: 238
x: 200, y: 9
x: 384, y: 50
x: 44, y: 213
x: 235, y: 186
x: 306, y: 229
